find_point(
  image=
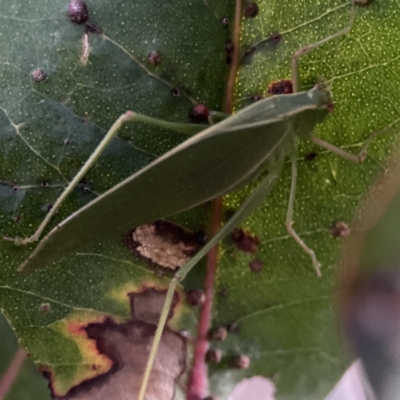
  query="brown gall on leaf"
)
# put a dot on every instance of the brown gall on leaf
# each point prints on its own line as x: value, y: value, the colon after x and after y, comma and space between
x: 78, y: 12
x: 196, y: 297
x: 284, y: 86
x: 217, y: 334
x: 241, y: 362
x: 251, y: 10
x: 45, y: 307
x: 245, y: 241
x: 330, y: 107
x: 38, y: 75
x: 154, y: 57
x: 176, y: 92
x: 340, y: 229
x: 163, y: 243
x: 256, y: 266
x: 199, y: 113
x: 214, y: 356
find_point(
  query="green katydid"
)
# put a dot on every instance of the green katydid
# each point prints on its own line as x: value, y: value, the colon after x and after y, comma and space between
x: 256, y: 138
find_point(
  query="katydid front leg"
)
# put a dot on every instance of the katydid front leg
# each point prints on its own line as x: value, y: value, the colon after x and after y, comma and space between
x: 129, y: 116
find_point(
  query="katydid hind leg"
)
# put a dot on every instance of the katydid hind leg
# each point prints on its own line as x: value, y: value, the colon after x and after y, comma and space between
x: 307, y: 49
x: 249, y: 205
x: 289, y: 220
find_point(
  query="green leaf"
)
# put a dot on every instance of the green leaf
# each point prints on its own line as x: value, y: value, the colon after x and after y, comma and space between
x: 286, y: 322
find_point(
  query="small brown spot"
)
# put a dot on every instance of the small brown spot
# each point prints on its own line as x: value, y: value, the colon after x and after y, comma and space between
x: 196, y: 297
x: 251, y: 10
x: 330, y: 107
x: 225, y: 21
x: 217, y: 334
x: 176, y: 92
x: 163, y: 243
x: 249, y: 51
x: 241, y: 362
x: 256, y: 266
x: 214, y: 356
x: 229, y: 46
x: 92, y: 28
x: 77, y: 11
x: 310, y: 156
x: 340, y: 229
x: 17, y: 218
x: 45, y: 307
x: 245, y: 241
x: 38, y: 75
x: 154, y: 57
x: 256, y: 97
x: 199, y: 113
x: 283, y: 86
x: 276, y: 38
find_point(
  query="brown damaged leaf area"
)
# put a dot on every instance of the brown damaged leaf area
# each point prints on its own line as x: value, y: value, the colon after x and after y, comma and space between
x: 127, y: 346
x: 163, y: 243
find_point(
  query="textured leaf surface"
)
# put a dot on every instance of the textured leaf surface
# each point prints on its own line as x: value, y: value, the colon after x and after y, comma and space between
x: 285, y: 317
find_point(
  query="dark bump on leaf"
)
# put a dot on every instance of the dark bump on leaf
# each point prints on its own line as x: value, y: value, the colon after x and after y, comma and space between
x: 185, y: 334
x: 217, y: 334
x: 78, y: 12
x: 17, y: 218
x: 276, y: 38
x: 241, y: 362
x: 176, y: 92
x: 196, y: 297
x: 251, y: 10
x: 199, y: 113
x: 154, y: 57
x: 228, y: 60
x: 229, y: 47
x: 45, y: 307
x: 249, y: 51
x: 66, y: 141
x: 200, y: 237
x: 38, y: 75
x: 92, y: 28
x: 284, y: 86
x: 225, y: 21
x: 15, y: 188
x: 245, y: 241
x: 214, y: 356
x: 44, y: 184
x: 162, y: 244
x: 256, y: 266
x: 310, y: 156
x: 340, y: 229
x: 85, y: 186
x: 256, y: 97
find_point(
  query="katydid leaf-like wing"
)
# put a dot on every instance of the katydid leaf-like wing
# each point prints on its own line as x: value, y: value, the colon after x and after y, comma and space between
x: 235, y: 149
